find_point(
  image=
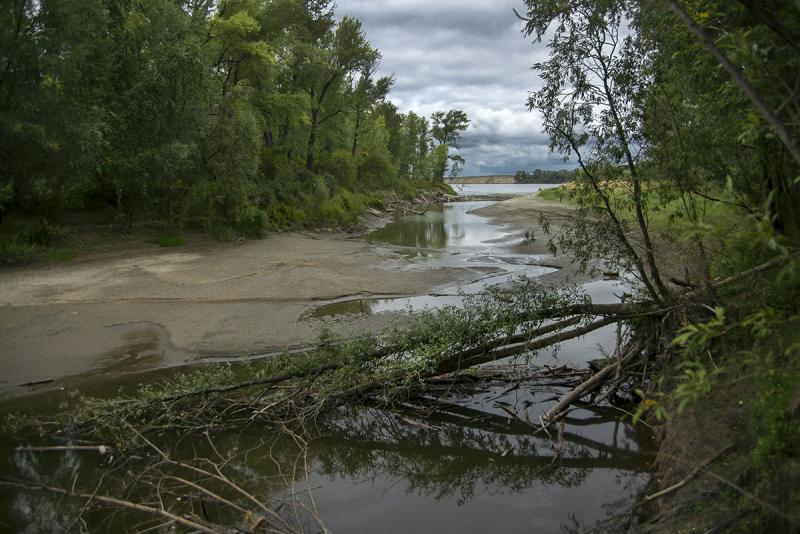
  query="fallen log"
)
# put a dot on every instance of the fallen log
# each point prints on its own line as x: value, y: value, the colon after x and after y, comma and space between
x: 458, y: 362
x: 588, y: 385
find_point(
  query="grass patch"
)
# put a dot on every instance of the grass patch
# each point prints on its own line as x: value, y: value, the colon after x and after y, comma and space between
x: 166, y: 240
x: 59, y: 255
x: 558, y: 194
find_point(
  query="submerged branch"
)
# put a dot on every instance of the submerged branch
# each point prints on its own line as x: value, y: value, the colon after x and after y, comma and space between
x: 117, y: 503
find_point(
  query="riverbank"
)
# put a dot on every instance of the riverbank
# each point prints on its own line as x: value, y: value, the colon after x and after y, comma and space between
x: 130, y: 310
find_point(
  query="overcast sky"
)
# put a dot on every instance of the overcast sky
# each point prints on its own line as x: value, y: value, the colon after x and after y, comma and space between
x: 464, y: 54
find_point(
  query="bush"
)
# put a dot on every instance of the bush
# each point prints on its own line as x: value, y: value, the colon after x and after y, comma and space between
x: 375, y: 171
x: 339, y: 165
x: 15, y: 250
x: 42, y: 233
x: 221, y: 231
x: 254, y: 223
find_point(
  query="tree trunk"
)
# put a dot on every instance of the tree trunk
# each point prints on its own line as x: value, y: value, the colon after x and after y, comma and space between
x: 355, y: 134
x: 637, y: 187
x: 312, y: 140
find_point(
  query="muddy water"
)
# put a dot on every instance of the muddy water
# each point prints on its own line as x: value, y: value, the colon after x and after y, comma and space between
x: 475, y: 464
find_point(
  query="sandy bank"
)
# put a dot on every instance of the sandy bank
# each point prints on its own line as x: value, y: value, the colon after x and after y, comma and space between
x: 136, y: 310
x: 166, y: 306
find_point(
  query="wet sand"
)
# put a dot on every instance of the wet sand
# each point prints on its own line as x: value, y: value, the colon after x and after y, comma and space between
x: 150, y: 308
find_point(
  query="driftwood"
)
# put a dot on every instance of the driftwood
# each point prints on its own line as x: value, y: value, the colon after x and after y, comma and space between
x: 588, y: 385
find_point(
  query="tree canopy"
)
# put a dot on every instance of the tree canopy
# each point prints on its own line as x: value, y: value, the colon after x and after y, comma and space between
x: 238, y: 114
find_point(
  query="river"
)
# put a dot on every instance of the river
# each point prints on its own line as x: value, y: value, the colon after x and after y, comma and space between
x: 473, y: 465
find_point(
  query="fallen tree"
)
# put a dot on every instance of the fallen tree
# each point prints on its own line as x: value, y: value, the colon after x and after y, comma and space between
x: 286, y: 394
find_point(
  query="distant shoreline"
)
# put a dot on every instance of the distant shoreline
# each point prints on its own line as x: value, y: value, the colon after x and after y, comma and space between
x: 537, y: 177
x: 495, y: 179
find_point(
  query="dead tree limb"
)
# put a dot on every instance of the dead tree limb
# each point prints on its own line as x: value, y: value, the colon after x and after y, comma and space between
x: 588, y: 385
x: 457, y: 362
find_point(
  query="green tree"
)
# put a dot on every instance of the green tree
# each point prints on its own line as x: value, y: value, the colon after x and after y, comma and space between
x: 365, y: 93
x: 325, y: 64
x: 446, y: 129
x: 594, y: 79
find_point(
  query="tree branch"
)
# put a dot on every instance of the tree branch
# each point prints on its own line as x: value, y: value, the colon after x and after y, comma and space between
x: 780, y: 129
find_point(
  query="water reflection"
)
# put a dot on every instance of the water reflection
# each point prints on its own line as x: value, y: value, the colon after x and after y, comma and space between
x: 469, y: 462
x: 475, y: 464
x: 442, y: 226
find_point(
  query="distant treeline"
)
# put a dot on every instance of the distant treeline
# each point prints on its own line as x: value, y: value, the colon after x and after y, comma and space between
x: 541, y: 176
x: 239, y: 115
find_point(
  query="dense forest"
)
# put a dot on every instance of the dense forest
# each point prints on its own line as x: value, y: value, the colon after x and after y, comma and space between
x: 234, y: 116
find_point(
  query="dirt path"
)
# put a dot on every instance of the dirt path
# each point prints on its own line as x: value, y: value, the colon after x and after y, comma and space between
x: 131, y: 311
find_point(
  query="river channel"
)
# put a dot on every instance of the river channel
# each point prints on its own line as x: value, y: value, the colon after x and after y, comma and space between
x: 475, y: 464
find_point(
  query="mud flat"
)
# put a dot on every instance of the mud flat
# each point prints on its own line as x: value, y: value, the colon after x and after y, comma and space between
x: 131, y: 311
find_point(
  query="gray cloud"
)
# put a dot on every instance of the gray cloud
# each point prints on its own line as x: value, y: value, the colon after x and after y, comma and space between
x: 465, y: 54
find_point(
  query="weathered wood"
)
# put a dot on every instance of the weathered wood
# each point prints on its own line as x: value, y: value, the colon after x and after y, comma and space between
x: 588, y: 385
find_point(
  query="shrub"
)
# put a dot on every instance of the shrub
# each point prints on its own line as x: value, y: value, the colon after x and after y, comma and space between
x: 375, y: 171
x: 221, y: 231
x: 254, y: 223
x: 340, y: 166
x: 42, y: 233
x: 15, y: 250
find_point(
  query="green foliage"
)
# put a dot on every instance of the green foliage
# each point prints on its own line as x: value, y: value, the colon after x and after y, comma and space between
x: 254, y: 222
x: 554, y: 194
x: 694, y: 338
x: 693, y: 384
x: 340, y: 166
x: 375, y: 169
x: 542, y: 176
x: 447, y: 127
x: 221, y: 231
x: 214, y: 116
x: 774, y: 416
x: 15, y: 250
x: 652, y: 403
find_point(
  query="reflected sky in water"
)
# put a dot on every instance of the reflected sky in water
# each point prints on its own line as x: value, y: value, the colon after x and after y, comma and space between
x: 441, y: 226
x: 499, y: 189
